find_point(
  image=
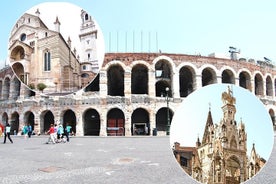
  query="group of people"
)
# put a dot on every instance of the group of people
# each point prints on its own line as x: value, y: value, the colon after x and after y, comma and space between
x: 27, y: 130
x: 57, y: 133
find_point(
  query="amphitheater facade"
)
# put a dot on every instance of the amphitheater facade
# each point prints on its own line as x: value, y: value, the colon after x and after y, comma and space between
x: 129, y: 97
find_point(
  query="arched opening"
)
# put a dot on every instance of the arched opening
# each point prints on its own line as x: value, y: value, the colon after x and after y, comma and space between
x: 93, y: 85
x: 228, y: 77
x: 233, y: 171
x: 29, y: 119
x: 259, y: 86
x: 140, y: 124
x: 163, y: 77
x: 272, y: 116
x: 47, y: 118
x: 269, y: 89
x: 6, y: 89
x: 17, y: 54
x: 115, y: 81
x: 208, y: 77
x: 5, y: 118
x: 69, y: 118
x: 15, y: 89
x: 160, y: 88
x: 186, y: 81
x: 115, y: 122
x: 139, y: 79
x: 14, y: 122
x: 162, y: 119
x: 92, y: 122
x: 18, y: 69
x: 244, y: 80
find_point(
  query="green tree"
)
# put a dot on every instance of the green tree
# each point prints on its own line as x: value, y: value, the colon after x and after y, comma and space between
x: 41, y: 87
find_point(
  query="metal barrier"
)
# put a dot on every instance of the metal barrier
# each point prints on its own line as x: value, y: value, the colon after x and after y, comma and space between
x: 115, y: 131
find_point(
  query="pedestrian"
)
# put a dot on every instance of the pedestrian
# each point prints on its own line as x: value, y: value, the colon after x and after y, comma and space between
x: 25, y: 131
x: 8, y: 133
x: 30, y: 131
x: 67, y: 131
x: 60, y: 133
x: 51, y: 131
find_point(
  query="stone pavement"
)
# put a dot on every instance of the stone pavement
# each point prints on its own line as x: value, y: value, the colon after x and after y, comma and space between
x: 99, y: 160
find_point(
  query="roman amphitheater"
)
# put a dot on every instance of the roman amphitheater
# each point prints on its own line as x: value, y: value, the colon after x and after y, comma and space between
x: 134, y: 93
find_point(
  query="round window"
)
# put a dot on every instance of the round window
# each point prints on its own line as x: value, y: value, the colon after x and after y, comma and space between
x: 23, y: 37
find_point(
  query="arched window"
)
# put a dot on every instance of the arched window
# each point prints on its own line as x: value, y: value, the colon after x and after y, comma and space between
x: 47, y: 61
x: 86, y: 17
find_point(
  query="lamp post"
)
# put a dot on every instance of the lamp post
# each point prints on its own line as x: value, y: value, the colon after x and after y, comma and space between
x: 168, y: 111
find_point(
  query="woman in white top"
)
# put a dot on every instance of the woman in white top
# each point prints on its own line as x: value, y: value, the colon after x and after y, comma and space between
x: 7, y: 133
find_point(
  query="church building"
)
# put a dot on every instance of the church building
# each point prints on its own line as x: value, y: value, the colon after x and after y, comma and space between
x: 221, y: 156
x: 39, y: 55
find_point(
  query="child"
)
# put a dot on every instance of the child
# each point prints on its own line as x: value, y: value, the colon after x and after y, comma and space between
x: 51, y: 131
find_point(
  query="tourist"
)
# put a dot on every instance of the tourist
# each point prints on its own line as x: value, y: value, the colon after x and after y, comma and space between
x: 25, y: 131
x: 7, y: 133
x: 51, y: 131
x: 67, y: 131
x: 30, y: 131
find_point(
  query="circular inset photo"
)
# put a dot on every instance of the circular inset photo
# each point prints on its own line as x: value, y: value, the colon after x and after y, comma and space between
x: 56, y: 48
x: 221, y: 134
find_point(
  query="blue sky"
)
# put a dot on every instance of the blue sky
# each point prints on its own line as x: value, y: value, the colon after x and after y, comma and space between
x: 190, y: 118
x: 175, y: 26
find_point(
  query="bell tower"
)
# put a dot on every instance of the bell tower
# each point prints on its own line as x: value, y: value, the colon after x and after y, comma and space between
x: 88, y: 39
x: 228, y: 108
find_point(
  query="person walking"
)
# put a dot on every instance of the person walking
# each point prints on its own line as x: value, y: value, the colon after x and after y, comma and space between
x: 67, y: 131
x: 8, y: 133
x: 51, y: 131
x: 30, y: 131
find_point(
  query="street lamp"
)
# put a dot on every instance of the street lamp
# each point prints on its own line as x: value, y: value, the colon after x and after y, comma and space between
x: 168, y: 111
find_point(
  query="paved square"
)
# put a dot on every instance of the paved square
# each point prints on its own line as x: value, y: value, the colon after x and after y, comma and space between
x: 99, y: 160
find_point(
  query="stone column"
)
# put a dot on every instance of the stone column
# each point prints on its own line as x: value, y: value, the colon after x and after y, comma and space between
x: 175, y: 84
x: 198, y: 82
x: 103, y: 121
x: 103, y: 84
x: 151, y: 83
x: 127, y: 84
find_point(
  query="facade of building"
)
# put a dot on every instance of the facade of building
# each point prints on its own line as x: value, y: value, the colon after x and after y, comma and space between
x: 129, y: 96
x: 40, y: 55
x: 221, y: 156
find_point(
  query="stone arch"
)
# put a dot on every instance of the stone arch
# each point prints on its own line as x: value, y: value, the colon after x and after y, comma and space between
x: 15, y: 88
x: 93, y: 85
x: 245, y: 80
x: 272, y: 116
x: 208, y: 76
x: 5, y: 118
x: 91, y: 122
x: 187, y: 81
x: 269, y: 88
x: 139, y: 79
x: 6, y: 88
x: 140, y: 122
x: 69, y: 118
x: 46, y: 119
x: 162, y: 119
x: 14, y: 122
x: 115, y: 122
x: 228, y: 76
x: 164, y: 73
x: 233, y: 168
x: 17, y: 53
x: 29, y: 118
x: 259, y: 84
x: 160, y: 88
x: 115, y: 80
x: 18, y: 69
